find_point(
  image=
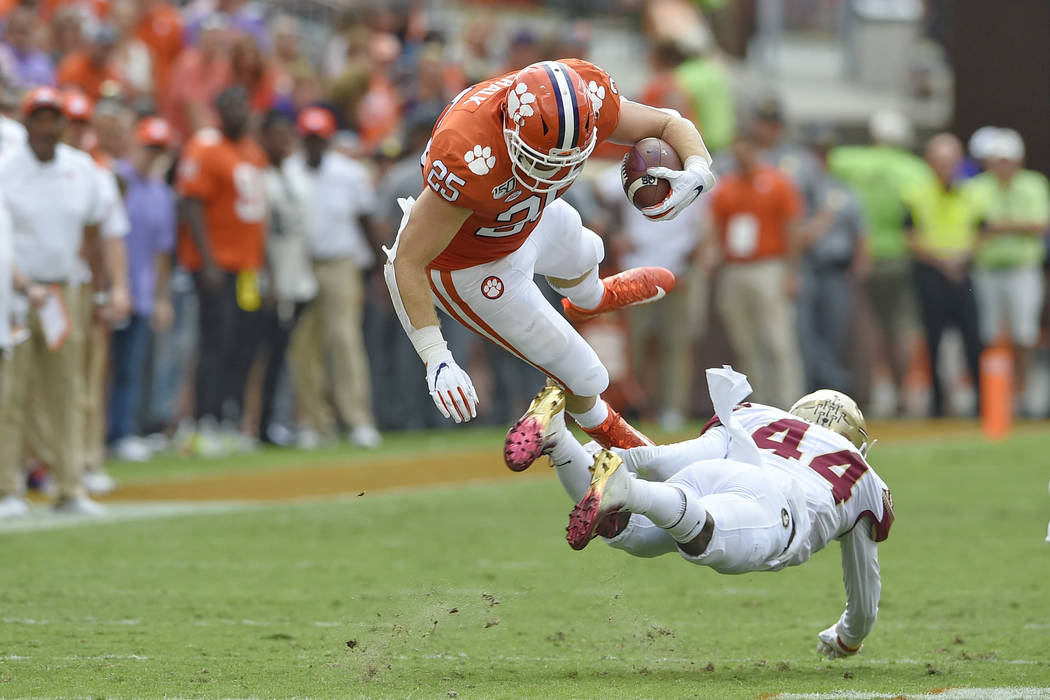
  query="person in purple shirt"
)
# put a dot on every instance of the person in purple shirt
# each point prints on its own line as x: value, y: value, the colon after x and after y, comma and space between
x: 28, y: 65
x: 243, y: 18
x: 150, y: 204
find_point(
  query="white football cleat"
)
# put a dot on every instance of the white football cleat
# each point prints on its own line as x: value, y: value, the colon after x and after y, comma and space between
x: 132, y: 449
x: 12, y: 507
x: 98, y: 483
x: 80, y: 506
x: 366, y: 436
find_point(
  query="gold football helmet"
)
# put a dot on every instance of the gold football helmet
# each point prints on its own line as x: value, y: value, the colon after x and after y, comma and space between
x: 836, y: 412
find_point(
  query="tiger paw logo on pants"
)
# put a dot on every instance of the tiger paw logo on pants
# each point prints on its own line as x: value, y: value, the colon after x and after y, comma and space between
x: 492, y: 287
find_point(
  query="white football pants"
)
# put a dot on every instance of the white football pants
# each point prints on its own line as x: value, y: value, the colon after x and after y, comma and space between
x: 753, y: 523
x: 501, y: 302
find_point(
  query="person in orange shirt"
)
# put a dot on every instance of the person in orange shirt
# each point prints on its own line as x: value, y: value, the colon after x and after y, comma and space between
x: 199, y: 74
x: 223, y: 208
x: 254, y: 72
x: 379, y: 111
x: 755, y: 212
x: 662, y: 89
x: 49, y: 8
x: 90, y: 69
x: 160, y: 28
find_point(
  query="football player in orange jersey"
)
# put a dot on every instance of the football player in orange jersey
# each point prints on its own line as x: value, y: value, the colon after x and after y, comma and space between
x: 489, y: 217
x: 223, y: 242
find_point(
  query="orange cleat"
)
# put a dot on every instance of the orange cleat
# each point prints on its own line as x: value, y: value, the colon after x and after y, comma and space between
x: 639, y: 285
x: 617, y: 432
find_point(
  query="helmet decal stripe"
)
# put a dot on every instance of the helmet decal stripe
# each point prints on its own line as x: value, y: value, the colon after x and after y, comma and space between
x: 562, y: 87
x: 575, y: 116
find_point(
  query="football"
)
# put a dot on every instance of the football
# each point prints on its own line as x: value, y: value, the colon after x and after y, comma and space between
x: 644, y: 190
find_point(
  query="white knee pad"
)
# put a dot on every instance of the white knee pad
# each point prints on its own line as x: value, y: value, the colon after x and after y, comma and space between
x: 564, y: 248
x: 591, y: 382
x: 581, y: 258
x: 592, y: 250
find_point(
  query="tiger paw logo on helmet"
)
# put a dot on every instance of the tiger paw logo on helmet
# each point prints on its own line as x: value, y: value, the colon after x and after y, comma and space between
x: 597, y: 95
x: 519, y: 103
x: 479, y: 159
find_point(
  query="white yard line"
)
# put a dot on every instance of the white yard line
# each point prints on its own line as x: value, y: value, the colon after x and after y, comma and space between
x: 948, y: 694
x: 42, y: 518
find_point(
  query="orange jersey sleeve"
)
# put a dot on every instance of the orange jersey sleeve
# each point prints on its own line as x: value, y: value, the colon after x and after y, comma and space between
x: 465, y: 162
x: 195, y: 177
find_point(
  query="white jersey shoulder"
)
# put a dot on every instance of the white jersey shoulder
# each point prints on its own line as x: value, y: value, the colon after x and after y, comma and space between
x: 840, y: 486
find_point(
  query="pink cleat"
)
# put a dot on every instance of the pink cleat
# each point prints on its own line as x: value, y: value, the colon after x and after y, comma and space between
x: 598, y: 512
x: 528, y: 438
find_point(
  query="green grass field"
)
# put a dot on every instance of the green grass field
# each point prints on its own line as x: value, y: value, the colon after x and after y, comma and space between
x: 472, y: 592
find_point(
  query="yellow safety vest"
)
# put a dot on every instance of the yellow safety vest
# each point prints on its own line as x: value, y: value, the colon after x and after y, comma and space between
x: 945, y: 220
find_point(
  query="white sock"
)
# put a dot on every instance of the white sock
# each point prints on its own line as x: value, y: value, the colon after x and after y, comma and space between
x: 642, y: 538
x: 587, y: 294
x: 572, y: 465
x: 592, y: 417
x: 668, y: 507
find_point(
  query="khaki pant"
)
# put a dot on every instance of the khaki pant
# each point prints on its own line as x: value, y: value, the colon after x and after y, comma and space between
x: 92, y: 440
x: 674, y: 322
x: 331, y: 325
x: 759, y: 318
x: 90, y: 425
x: 49, y: 381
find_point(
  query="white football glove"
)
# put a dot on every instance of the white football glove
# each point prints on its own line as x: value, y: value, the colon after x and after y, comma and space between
x: 831, y: 646
x: 450, y: 388
x: 686, y: 185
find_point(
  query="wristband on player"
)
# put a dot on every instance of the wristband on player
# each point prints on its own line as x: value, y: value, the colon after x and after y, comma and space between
x: 428, y: 342
x: 697, y: 163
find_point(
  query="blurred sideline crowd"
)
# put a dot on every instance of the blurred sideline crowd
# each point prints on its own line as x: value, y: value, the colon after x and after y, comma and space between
x: 194, y: 209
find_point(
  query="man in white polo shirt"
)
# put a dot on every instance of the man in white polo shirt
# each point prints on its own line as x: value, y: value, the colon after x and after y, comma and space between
x: 114, y: 228
x: 342, y: 200
x: 53, y: 196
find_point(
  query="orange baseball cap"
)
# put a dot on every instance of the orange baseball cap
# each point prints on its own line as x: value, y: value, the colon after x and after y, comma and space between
x: 153, y: 131
x: 78, y: 107
x: 316, y: 121
x: 42, y: 98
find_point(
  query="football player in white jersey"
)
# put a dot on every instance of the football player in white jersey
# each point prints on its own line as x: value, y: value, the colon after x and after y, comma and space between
x: 760, y: 489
